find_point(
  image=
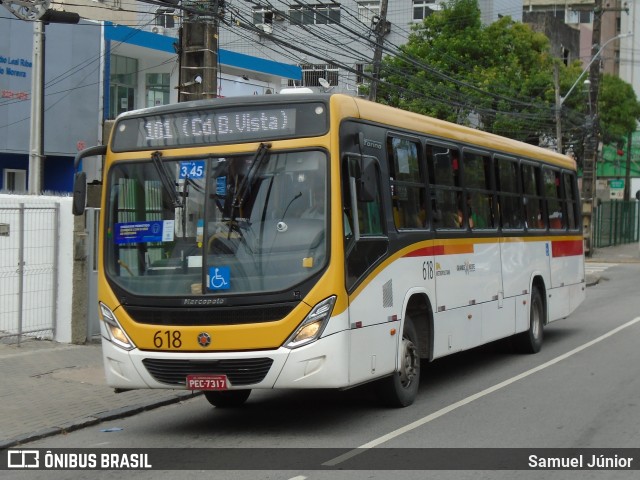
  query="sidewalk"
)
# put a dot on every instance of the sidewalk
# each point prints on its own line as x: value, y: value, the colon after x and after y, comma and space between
x: 48, y: 388
x: 627, y: 253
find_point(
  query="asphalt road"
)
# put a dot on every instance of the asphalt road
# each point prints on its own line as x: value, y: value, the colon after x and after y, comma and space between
x: 582, y: 391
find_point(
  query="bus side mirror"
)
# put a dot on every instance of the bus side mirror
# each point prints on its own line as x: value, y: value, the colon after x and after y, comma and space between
x: 367, y: 182
x: 638, y: 195
x: 80, y: 178
x: 79, y: 193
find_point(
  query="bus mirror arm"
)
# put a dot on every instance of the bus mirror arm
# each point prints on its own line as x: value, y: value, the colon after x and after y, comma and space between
x: 354, y: 210
x: 80, y: 178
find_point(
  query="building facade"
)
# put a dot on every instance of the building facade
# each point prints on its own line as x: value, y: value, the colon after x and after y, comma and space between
x: 93, y: 72
x: 332, y: 42
x: 579, y: 14
x: 72, y: 85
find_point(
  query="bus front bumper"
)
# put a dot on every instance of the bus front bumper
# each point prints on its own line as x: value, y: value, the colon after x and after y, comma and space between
x: 321, y: 364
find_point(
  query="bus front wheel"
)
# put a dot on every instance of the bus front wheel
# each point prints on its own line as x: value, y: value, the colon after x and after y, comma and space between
x: 227, y: 398
x: 401, y: 388
x: 530, y: 341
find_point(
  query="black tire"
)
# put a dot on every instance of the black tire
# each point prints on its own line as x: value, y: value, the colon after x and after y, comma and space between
x: 227, y: 398
x: 531, y: 340
x: 401, y: 389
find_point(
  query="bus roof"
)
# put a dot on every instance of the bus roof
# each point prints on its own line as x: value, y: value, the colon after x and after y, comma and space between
x: 378, y: 113
x: 451, y: 131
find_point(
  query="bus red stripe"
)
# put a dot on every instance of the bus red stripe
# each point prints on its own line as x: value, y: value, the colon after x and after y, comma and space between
x: 566, y: 248
x: 427, y: 251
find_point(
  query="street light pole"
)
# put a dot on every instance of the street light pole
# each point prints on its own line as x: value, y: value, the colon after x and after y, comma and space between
x: 561, y: 99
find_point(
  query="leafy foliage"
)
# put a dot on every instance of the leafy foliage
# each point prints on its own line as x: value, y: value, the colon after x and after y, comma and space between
x: 499, y: 78
x: 618, y: 109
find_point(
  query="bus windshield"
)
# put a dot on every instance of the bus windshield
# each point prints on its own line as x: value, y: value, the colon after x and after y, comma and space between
x: 217, y: 225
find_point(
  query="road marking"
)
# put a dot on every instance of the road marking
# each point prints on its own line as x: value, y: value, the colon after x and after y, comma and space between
x: 299, y: 477
x: 472, y: 398
x: 597, y: 267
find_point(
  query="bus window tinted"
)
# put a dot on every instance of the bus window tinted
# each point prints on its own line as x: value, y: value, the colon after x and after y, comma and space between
x: 509, y: 200
x: 552, y: 191
x: 532, y: 198
x: 571, y: 197
x: 447, y: 205
x: 408, y: 189
x: 477, y: 180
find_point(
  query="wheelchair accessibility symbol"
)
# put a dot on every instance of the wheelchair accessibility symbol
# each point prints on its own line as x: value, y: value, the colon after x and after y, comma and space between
x: 219, y: 278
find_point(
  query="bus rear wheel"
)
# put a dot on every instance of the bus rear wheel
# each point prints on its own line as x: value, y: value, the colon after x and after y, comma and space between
x: 227, y: 398
x: 530, y: 341
x: 401, y: 388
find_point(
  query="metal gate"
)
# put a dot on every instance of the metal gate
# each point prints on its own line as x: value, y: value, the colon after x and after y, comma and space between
x: 617, y: 223
x: 29, y: 270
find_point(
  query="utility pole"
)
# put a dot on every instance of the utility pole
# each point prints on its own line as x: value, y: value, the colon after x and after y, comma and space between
x: 560, y: 100
x: 592, y: 137
x: 556, y: 81
x: 381, y: 29
x: 36, y: 136
x: 199, y: 50
x: 592, y: 140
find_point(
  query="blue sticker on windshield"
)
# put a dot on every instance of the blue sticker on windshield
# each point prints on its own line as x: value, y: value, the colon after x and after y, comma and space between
x: 221, y: 186
x: 143, y: 232
x: 219, y: 278
x: 192, y: 169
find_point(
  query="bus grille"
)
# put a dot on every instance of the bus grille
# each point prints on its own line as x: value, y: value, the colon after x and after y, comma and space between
x: 209, y: 316
x: 239, y: 372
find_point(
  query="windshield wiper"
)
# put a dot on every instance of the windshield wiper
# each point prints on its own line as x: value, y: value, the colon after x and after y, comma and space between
x: 241, y: 194
x: 168, y: 184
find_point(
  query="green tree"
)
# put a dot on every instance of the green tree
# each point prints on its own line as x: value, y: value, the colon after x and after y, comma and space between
x: 499, y: 77
x: 446, y: 43
x: 618, y: 109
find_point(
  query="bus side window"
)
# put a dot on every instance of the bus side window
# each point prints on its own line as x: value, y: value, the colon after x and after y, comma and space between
x: 408, y: 189
x: 571, y: 198
x: 372, y: 243
x: 552, y: 191
x: 444, y: 180
x: 531, y: 197
x: 479, y: 195
x: 509, y: 199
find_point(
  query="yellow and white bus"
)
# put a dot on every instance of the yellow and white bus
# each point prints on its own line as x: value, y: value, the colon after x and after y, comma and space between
x: 322, y: 241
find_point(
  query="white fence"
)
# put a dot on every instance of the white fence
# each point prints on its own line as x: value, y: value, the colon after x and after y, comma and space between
x: 36, y: 267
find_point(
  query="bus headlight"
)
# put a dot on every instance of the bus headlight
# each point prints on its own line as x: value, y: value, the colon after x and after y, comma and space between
x: 115, y: 332
x: 312, y: 326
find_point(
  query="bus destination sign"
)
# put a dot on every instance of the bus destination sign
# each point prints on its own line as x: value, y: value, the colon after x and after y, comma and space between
x: 216, y: 126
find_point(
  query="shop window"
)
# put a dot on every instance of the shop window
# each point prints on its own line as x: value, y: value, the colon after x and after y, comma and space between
x: 158, y: 89
x: 14, y: 180
x: 122, y: 85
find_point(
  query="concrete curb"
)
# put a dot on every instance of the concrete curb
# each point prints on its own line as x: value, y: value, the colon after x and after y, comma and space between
x: 83, y: 422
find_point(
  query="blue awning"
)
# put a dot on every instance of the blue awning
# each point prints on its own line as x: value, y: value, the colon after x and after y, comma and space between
x: 141, y: 38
